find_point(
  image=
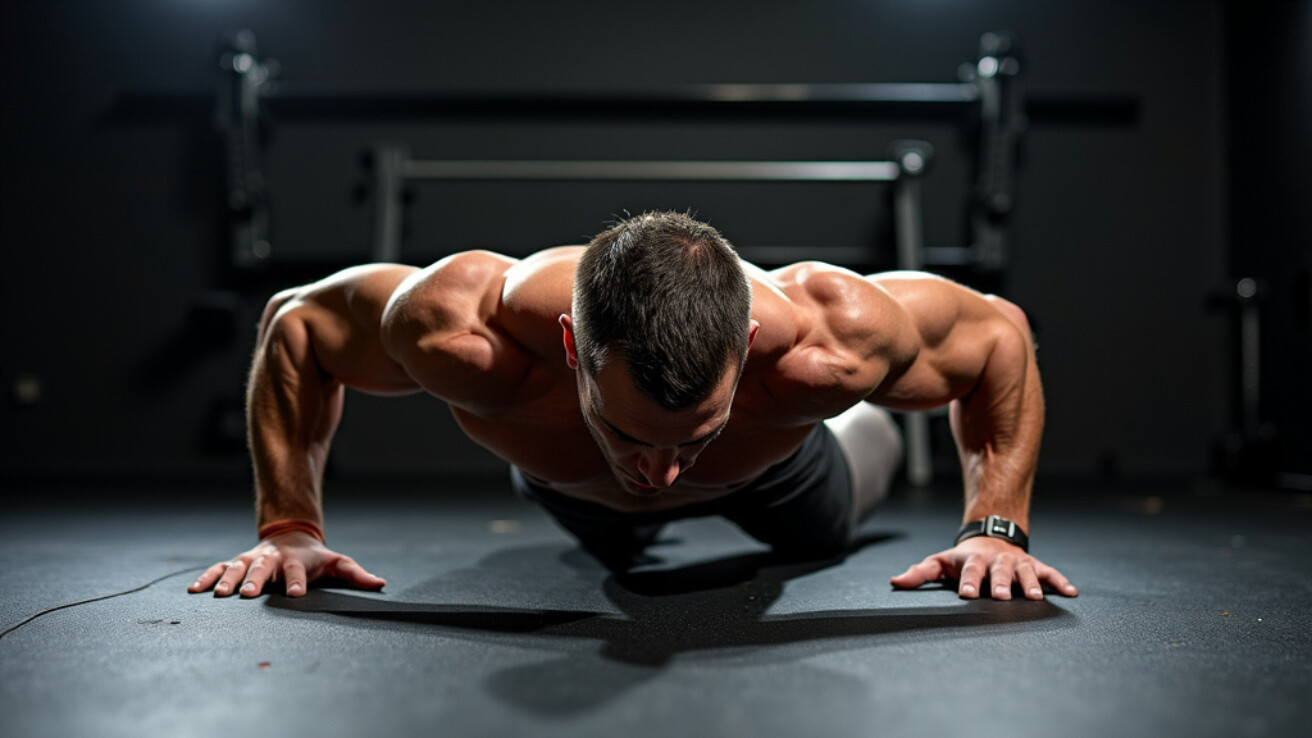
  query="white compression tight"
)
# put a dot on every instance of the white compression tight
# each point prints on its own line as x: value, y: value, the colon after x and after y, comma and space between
x: 873, y: 446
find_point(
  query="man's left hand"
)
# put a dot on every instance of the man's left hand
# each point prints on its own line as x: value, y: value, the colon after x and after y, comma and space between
x: 973, y: 560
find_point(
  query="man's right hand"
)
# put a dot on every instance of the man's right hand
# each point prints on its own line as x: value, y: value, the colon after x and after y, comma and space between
x: 295, y: 557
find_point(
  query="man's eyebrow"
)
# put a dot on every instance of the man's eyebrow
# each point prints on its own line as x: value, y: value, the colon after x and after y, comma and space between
x: 630, y: 439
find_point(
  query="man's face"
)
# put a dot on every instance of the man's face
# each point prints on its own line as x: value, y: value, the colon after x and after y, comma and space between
x: 648, y: 447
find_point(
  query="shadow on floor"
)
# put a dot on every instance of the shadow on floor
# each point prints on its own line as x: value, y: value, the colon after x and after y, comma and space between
x: 710, y: 609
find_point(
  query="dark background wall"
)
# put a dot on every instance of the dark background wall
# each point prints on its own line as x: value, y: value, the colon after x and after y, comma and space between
x: 112, y: 224
x: 1270, y: 160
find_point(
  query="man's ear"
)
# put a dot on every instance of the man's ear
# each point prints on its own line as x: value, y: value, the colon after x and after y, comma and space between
x: 571, y: 354
x: 751, y: 333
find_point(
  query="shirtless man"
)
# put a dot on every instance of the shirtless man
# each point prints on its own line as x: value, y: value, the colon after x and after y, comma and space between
x: 653, y: 376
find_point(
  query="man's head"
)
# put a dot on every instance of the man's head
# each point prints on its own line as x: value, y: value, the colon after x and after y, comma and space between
x: 666, y: 295
x: 660, y: 330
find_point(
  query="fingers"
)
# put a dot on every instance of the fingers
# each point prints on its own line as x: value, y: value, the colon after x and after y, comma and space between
x: 1029, y: 581
x: 929, y: 570
x: 234, y: 573
x: 208, y: 577
x: 1000, y: 576
x: 979, y: 560
x: 296, y: 565
x: 293, y: 572
x: 972, y: 577
x: 346, y: 568
x: 261, y: 570
x: 250, y: 570
x: 1051, y: 576
x: 1030, y: 573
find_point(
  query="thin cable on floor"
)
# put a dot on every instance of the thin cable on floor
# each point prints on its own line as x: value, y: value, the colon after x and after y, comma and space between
x: 57, y: 608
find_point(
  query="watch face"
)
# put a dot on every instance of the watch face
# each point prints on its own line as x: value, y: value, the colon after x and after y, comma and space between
x: 1000, y: 527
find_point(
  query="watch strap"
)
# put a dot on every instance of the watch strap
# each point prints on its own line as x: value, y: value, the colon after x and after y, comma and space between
x: 995, y: 526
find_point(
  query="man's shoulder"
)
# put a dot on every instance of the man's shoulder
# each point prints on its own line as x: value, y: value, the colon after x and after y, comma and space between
x: 450, y: 327
x: 477, y: 290
x: 535, y: 293
x: 833, y: 310
x: 543, y: 282
x: 460, y: 280
x: 828, y: 290
x: 834, y: 333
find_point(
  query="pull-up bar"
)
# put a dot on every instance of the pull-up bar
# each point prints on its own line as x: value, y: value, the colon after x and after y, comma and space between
x: 393, y: 167
x: 723, y: 171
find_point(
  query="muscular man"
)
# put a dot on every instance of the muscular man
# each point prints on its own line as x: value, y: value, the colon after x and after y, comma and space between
x: 653, y: 376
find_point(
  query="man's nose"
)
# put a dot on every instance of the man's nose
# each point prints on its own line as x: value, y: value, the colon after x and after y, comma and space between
x: 660, y: 467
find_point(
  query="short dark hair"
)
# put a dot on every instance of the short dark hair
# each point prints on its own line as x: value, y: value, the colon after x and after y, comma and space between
x: 668, y: 295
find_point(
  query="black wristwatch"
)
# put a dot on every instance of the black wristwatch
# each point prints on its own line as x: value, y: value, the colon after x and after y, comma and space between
x: 995, y: 527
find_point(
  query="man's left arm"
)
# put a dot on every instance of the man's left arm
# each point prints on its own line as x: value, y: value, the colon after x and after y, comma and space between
x: 978, y: 350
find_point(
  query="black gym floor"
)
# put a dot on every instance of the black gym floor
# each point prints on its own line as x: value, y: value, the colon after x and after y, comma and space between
x: 1193, y: 619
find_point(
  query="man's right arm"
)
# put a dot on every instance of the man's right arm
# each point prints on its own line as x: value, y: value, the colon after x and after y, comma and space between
x: 381, y: 329
x: 313, y: 342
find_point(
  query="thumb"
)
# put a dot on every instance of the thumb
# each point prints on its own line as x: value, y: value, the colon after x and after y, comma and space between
x: 929, y: 570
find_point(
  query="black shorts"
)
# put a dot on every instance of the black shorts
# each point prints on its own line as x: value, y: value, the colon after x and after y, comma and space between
x: 801, y: 505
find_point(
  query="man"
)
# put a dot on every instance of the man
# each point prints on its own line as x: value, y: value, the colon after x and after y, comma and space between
x: 653, y: 376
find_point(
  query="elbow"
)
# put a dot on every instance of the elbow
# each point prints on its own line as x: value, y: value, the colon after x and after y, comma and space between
x: 1013, y: 313
x: 1018, y: 320
x: 271, y: 311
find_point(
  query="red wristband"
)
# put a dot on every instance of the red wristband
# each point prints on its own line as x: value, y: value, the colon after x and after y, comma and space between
x: 278, y: 527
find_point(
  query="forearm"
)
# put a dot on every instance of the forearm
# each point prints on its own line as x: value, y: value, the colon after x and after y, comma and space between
x: 998, y: 428
x: 293, y: 409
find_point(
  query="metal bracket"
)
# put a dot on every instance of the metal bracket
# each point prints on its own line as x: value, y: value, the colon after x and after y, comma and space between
x: 1002, y: 121
x: 238, y: 118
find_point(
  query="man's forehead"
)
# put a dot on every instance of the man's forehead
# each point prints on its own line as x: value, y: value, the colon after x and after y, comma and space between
x: 627, y: 412
x: 614, y: 384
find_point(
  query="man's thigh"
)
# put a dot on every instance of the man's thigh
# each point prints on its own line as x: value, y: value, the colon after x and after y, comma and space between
x: 872, y: 445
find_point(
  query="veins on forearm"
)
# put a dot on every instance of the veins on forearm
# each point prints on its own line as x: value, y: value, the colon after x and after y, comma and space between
x: 998, y: 434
